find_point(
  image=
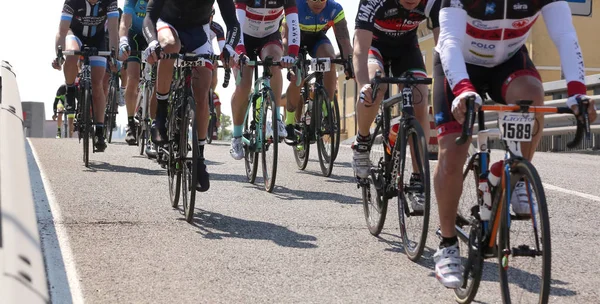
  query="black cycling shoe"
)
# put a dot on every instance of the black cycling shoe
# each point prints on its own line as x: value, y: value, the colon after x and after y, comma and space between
x: 203, y: 176
x: 292, y: 137
x: 158, y: 132
x: 130, y: 139
x: 100, y: 144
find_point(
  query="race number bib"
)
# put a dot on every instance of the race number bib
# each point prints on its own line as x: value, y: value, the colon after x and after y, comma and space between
x: 407, y: 98
x: 516, y: 126
x: 323, y: 66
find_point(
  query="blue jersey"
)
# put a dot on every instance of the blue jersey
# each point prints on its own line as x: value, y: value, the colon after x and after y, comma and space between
x: 137, y: 10
x: 311, y: 23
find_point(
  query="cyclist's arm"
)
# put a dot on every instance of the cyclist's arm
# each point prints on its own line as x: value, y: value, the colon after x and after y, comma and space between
x: 113, y: 24
x: 284, y: 31
x: 64, y: 25
x: 432, y: 10
x: 234, y: 31
x: 127, y: 18
x: 560, y: 28
x: 240, y: 12
x: 293, y: 35
x: 56, y: 99
x: 219, y: 33
x: 453, y: 26
x: 153, y: 9
x: 340, y: 28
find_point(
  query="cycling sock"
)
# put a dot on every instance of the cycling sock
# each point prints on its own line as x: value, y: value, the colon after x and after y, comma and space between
x: 58, y: 129
x: 70, y: 98
x: 237, y: 131
x: 363, y: 139
x: 290, y: 117
x: 130, y: 120
x: 100, y: 129
x: 163, y: 104
x: 447, y: 242
x: 201, y: 143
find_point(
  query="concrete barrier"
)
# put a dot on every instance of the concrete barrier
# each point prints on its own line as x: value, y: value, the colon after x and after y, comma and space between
x: 22, y: 272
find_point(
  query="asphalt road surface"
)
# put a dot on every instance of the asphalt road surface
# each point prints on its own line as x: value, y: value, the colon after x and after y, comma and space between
x: 110, y: 235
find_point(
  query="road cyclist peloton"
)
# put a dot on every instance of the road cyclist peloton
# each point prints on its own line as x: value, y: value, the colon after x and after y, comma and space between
x: 168, y: 25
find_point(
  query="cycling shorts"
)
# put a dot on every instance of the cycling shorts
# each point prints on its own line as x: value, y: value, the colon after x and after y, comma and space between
x: 494, y: 81
x: 95, y: 41
x: 400, y: 59
x: 255, y: 45
x: 138, y: 43
x: 193, y: 39
x: 313, y: 41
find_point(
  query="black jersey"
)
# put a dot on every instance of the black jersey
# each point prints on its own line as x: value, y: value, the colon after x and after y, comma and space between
x: 88, y: 20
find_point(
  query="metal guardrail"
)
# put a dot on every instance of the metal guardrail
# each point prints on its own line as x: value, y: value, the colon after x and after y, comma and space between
x: 22, y: 269
x: 558, y: 89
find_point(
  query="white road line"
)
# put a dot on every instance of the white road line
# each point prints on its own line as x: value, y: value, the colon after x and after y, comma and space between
x: 580, y: 194
x: 60, y: 265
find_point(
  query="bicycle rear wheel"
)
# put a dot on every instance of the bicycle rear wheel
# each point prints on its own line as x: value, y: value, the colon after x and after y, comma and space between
x: 270, y: 140
x: 413, y: 194
x: 325, y: 132
x: 375, y: 202
x: 467, y: 223
x: 189, y: 141
x: 174, y: 167
x: 524, y: 244
x: 87, y: 125
x: 250, y: 150
x: 111, y: 109
x: 337, y: 126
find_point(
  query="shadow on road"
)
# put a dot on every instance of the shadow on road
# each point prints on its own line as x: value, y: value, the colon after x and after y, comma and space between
x: 299, y: 194
x: 396, y: 245
x: 96, y: 166
x: 217, y: 226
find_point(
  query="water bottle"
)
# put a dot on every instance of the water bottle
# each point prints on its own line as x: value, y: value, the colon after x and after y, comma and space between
x: 495, y: 173
x: 485, y: 204
x: 392, y: 137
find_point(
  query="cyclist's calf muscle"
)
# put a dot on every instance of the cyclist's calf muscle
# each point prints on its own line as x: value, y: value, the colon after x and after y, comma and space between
x: 239, y: 99
x: 366, y: 114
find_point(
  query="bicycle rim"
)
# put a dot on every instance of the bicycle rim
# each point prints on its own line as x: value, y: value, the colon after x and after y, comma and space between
x: 189, y: 139
x: 270, y: 140
x: 375, y: 202
x: 525, y: 278
x: 470, y: 248
x: 414, y: 218
x: 174, y: 169
x: 211, y: 129
x: 87, y: 126
x: 337, y: 126
x: 325, y: 134
x: 302, y: 148
x: 250, y: 154
x: 112, y: 101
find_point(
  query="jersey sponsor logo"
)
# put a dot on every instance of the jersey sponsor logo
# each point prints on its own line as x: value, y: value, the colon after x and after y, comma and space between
x: 482, y: 25
x: 391, y: 12
x: 367, y: 9
x: 520, y: 7
x: 484, y: 46
x: 272, y: 12
x: 490, y: 8
x: 481, y: 55
x: 520, y: 23
x: 141, y: 14
x: 477, y: 33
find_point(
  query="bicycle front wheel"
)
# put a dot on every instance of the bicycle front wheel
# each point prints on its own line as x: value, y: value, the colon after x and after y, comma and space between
x: 189, y: 156
x: 250, y: 148
x: 86, y: 125
x: 414, y: 190
x: 211, y: 128
x: 269, y: 140
x: 325, y: 127
x: 524, y: 250
x: 111, y: 109
x: 337, y: 126
x: 302, y: 148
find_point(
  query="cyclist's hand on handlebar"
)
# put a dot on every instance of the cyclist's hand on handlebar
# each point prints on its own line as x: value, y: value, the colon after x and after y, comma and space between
x: 124, y: 48
x: 348, y: 69
x: 459, y: 105
x: 229, y: 56
x: 152, y: 52
x: 56, y: 65
x: 572, y: 102
x: 366, y: 95
x: 288, y: 61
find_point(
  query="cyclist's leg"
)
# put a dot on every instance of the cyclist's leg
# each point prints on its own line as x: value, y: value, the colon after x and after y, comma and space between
x: 72, y: 43
x: 239, y: 100
x: 518, y: 79
x: 325, y: 49
x: 70, y: 118
x: 274, y: 48
x: 169, y: 41
x: 106, y: 79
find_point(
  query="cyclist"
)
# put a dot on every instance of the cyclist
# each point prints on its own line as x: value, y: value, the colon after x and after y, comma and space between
x: 316, y: 17
x: 386, y: 36
x: 216, y: 32
x: 490, y: 57
x: 123, y: 76
x: 184, y: 23
x: 217, y: 103
x: 130, y: 31
x: 260, y: 21
x: 58, y: 107
x: 82, y: 23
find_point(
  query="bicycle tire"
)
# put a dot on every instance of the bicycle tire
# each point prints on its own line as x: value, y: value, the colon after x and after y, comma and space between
x: 189, y: 179
x: 337, y: 126
x: 144, y: 128
x: 375, y: 222
x: 211, y: 128
x: 87, y: 126
x: 523, y: 168
x: 302, y: 149
x: 250, y: 151
x: 174, y: 169
x: 324, y: 130
x: 413, y: 134
x: 271, y: 143
x: 110, y: 116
